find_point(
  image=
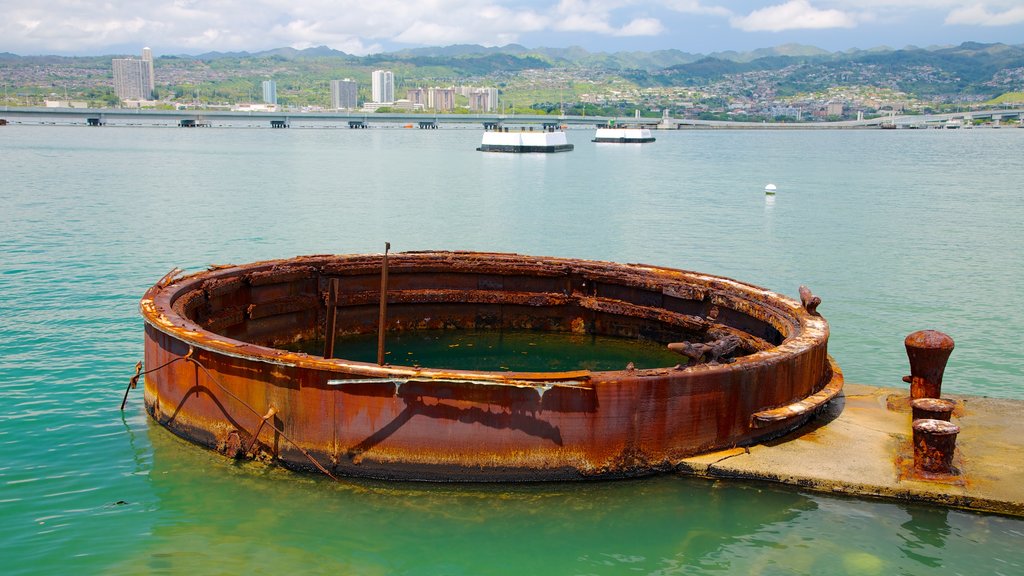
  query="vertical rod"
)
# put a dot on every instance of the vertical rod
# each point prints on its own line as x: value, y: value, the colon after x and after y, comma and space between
x: 332, y: 318
x: 270, y: 414
x: 382, y: 321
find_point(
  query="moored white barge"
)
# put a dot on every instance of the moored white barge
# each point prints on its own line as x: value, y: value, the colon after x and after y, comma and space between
x: 624, y: 135
x: 521, y: 141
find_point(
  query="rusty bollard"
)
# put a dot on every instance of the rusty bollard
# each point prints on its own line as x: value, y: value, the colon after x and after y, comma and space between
x: 928, y: 351
x: 932, y: 408
x: 934, y: 443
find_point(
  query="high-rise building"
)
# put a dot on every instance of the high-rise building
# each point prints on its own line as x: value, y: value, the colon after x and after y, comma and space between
x: 269, y: 92
x: 482, y: 99
x: 344, y: 94
x: 478, y: 101
x: 147, y: 56
x: 383, y: 86
x: 133, y: 79
x: 492, y: 98
x: 417, y: 96
x: 441, y: 99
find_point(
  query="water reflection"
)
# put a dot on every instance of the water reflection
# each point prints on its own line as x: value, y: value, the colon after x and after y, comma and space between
x: 924, y: 535
x: 239, y: 515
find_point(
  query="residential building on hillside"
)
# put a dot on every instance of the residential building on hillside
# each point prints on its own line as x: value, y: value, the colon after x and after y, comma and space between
x: 483, y: 99
x: 437, y: 99
x: 417, y: 96
x: 441, y: 99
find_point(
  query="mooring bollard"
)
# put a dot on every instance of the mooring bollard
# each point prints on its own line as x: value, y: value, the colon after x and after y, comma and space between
x: 928, y: 351
x: 934, y: 444
x: 932, y: 409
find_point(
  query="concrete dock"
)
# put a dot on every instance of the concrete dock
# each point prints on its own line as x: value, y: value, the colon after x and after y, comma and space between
x: 861, y: 445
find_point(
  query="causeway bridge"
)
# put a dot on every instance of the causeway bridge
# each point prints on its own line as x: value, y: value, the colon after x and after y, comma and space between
x: 358, y: 120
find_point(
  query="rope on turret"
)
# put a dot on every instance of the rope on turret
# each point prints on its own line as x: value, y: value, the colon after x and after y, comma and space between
x: 264, y: 419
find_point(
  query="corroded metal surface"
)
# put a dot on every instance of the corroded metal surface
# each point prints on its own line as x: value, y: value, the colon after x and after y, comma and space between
x: 928, y: 352
x: 240, y: 393
x: 932, y: 409
x: 934, y: 445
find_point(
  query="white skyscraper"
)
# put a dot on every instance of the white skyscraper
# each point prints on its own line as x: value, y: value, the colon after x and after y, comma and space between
x: 383, y: 86
x: 133, y: 79
x: 344, y: 94
x: 269, y: 92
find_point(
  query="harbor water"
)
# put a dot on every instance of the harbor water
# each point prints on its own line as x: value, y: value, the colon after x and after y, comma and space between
x: 896, y: 231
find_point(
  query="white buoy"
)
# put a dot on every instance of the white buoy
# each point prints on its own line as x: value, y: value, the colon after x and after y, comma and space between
x: 769, y: 189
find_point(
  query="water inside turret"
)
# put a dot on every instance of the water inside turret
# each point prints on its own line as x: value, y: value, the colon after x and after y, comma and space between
x: 517, y: 351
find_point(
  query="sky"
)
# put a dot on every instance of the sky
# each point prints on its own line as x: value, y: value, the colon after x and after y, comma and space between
x: 360, y: 27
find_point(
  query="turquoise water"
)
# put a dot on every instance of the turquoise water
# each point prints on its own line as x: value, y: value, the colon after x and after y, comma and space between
x: 895, y: 230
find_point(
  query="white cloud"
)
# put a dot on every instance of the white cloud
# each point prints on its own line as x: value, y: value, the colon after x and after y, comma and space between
x: 979, y: 15
x: 918, y: 5
x: 582, y: 16
x: 489, y: 25
x: 595, y: 16
x: 362, y: 27
x: 354, y: 26
x: 29, y: 25
x: 793, y: 15
x: 432, y: 33
x: 695, y: 7
x: 583, y: 23
x: 641, y: 27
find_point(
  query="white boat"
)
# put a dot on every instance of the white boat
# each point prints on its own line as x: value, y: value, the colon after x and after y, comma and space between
x: 624, y: 135
x: 525, y: 140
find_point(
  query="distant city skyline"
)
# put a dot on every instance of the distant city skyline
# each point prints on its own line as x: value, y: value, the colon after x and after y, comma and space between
x: 63, y: 27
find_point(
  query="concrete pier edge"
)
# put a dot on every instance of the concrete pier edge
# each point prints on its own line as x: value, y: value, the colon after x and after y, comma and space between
x: 860, y: 445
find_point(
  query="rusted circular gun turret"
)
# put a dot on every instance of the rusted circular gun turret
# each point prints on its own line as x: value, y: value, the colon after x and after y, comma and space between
x: 928, y: 351
x: 224, y: 369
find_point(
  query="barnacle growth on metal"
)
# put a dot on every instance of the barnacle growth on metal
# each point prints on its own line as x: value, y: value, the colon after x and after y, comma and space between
x: 753, y: 364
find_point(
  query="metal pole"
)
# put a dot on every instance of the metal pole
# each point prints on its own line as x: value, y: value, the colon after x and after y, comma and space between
x: 382, y: 321
x: 330, y: 324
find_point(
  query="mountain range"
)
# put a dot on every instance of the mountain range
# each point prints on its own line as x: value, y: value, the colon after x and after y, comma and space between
x: 970, y: 70
x: 650, y: 61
